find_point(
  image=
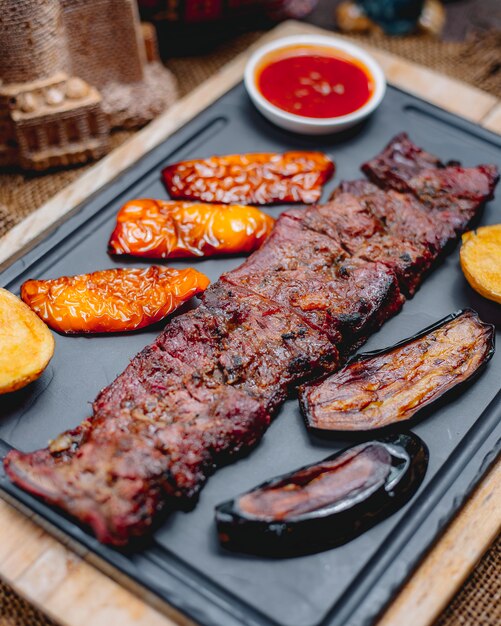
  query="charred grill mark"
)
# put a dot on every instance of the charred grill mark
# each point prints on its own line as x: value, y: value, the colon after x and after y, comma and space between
x: 393, y: 385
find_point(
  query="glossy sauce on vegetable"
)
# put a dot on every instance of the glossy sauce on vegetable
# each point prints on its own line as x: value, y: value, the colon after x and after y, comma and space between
x: 320, y: 486
x: 112, y: 300
x: 314, y: 82
x: 161, y: 229
x: 325, y: 504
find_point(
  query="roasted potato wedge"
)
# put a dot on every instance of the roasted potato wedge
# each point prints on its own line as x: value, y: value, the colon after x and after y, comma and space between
x: 481, y: 260
x: 26, y: 344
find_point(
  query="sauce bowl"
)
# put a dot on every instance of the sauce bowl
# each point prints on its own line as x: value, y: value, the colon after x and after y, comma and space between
x: 337, y: 48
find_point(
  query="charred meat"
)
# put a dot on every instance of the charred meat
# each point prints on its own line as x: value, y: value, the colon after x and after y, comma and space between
x: 347, y: 303
x: 450, y: 188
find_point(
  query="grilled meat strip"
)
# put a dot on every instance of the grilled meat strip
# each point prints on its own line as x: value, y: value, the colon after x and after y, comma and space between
x: 314, y: 282
x: 203, y: 391
x: 250, y: 343
x: 347, y: 304
x: 455, y: 190
x: 207, y: 388
x: 154, y: 435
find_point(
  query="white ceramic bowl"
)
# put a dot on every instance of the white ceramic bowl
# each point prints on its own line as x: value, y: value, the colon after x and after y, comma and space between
x: 310, y: 125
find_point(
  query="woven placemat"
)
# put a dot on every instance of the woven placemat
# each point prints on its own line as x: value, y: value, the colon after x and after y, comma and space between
x: 476, y: 61
x: 478, y: 603
x: 15, y: 611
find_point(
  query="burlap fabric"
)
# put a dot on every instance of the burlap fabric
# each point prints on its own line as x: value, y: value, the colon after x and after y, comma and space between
x: 476, y: 61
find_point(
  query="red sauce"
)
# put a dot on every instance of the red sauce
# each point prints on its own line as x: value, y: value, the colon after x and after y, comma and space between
x: 312, y: 82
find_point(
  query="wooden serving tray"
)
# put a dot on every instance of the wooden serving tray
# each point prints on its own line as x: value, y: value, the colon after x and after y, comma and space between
x: 68, y: 587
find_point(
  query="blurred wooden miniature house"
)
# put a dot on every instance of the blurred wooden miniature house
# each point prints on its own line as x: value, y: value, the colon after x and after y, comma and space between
x: 70, y: 70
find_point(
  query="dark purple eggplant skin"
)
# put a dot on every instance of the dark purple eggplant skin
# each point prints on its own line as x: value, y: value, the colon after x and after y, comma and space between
x: 328, y: 525
x: 425, y: 409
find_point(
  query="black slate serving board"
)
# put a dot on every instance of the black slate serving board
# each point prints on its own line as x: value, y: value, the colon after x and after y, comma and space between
x: 183, y: 562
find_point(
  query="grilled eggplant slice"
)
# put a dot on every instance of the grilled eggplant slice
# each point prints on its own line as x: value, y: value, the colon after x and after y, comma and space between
x: 384, y: 388
x: 326, y: 504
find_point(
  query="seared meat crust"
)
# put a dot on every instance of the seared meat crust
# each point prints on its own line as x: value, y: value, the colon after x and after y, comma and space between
x: 459, y: 191
x: 346, y: 302
x: 248, y: 342
x: 155, y: 435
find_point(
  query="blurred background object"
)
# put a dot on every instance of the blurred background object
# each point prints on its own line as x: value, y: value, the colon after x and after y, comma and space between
x: 463, y: 18
x: 106, y: 47
x: 47, y: 117
x: 393, y: 17
x: 193, y: 26
x: 190, y: 26
x: 69, y: 71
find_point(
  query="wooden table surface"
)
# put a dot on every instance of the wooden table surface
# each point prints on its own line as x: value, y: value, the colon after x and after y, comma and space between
x: 70, y: 588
